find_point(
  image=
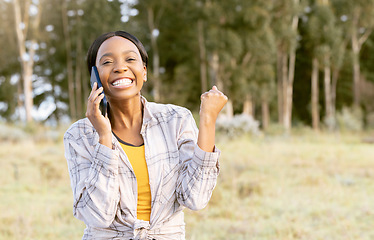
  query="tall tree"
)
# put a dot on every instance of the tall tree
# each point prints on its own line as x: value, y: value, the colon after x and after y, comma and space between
x: 359, y: 24
x: 314, y: 39
x: 362, y: 24
x: 22, y: 22
x: 9, y: 64
x: 258, y: 53
x: 69, y: 61
x: 256, y: 60
x: 325, y: 40
x: 202, y: 54
x: 285, y: 24
x: 153, y: 12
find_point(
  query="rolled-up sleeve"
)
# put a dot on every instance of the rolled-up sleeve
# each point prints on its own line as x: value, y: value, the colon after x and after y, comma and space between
x: 198, y: 174
x: 93, y: 170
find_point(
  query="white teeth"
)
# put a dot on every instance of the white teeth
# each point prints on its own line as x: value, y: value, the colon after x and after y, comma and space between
x: 123, y: 82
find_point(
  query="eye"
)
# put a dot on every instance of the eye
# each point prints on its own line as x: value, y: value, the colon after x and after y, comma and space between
x: 106, y: 62
x: 131, y: 59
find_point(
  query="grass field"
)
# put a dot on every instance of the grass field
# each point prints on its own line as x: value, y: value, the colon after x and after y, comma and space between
x: 306, y: 186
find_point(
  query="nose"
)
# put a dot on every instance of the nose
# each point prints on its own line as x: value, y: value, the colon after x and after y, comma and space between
x: 120, y: 67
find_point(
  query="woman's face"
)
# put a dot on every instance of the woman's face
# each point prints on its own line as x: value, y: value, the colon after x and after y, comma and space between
x: 121, y: 68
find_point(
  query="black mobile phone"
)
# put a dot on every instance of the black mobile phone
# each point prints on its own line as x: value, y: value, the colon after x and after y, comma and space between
x: 95, y: 78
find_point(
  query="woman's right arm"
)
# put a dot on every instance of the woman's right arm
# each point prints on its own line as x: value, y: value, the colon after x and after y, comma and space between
x: 93, y: 165
x: 93, y: 170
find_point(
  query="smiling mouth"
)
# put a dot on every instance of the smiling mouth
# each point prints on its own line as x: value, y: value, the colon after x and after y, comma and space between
x: 122, y: 82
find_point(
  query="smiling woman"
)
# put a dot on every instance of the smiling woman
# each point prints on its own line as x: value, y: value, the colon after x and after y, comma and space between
x: 134, y: 169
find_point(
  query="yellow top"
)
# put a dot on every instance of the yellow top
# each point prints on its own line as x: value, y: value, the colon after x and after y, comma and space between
x: 136, y: 157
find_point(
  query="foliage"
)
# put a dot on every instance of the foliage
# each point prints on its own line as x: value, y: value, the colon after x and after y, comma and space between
x: 12, y: 134
x: 350, y: 119
x: 238, y: 125
x: 243, y: 37
x: 370, y: 121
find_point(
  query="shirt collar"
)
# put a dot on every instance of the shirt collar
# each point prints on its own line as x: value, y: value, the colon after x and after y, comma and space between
x: 147, y: 111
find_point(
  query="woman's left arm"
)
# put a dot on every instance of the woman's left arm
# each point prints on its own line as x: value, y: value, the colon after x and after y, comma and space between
x: 198, y: 174
x: 212, y: 103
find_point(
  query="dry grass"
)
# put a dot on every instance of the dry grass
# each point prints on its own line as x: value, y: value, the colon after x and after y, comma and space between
x: 303, y: 187
x: 307, y: 186
x: 35, y: 194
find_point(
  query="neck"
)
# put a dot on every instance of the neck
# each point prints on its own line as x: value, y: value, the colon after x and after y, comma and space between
x: 126, y: 114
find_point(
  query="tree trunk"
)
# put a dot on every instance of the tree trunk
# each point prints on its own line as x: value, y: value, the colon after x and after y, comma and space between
x: 288, y: 94
x: 203, y: 71
x: 216, y: 80
x: 328, y: 106
x: 156, y: 57
x: 229, y: 109
x: 289, y: 91
x: 335, y: 76
x: 356, y: 79
x: 356, y: 44
x: 56, y: 112
x: 315, y: 95
x: 20, y: 103
x: 356, y: 47
x: 265, y: 114
x: 26, y: 57
x: 27, y: 90
x: 78, y: 70
x: 69, y: 62
x: 285, y: 113
x: 248, y: 105
x: 280, y: 85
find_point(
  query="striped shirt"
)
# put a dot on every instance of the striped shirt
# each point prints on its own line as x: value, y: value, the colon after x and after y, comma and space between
x: 104, y: 184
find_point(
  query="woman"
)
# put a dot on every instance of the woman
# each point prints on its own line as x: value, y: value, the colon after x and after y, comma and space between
x: 135, y: 169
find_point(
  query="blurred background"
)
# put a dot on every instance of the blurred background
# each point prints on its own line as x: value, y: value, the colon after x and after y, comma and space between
x: 296, y: 132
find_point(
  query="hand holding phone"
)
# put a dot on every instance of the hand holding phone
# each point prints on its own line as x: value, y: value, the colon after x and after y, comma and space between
x: 95, y: 78
x: 100, y: 121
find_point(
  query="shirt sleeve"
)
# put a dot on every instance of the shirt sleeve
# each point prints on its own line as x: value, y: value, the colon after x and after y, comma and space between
x: 93, y: 170
x: 199, y: 171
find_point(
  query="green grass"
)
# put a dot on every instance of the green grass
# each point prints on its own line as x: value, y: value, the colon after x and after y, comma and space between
x: 306, y: 186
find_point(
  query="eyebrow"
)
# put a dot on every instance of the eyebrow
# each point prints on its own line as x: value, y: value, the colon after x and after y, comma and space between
x: 111, y: 54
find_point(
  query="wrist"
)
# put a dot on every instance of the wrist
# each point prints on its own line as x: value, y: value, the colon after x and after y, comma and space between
x: 105, y: 139
x: 207, y: 120
x: 206, y: 138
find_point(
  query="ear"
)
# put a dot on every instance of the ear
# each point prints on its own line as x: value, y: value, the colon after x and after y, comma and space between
x: 145, y: 74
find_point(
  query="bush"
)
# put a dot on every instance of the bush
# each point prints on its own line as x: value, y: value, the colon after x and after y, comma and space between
x: 350, y: 119
x: 34, y: 132
x: 237, y: 125
x: 370, y: 120
x: 12, y: 134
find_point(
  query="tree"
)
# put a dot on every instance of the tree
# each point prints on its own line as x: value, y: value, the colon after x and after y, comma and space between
x: 153, y: 12
x: 285, y: 24
x: 362, y: 25
x: 22, y: 22
x: 69, y: 61
x: 252, y: 80
x: 8, y: 62
x: 325, y: 40
x: 359, y: 24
